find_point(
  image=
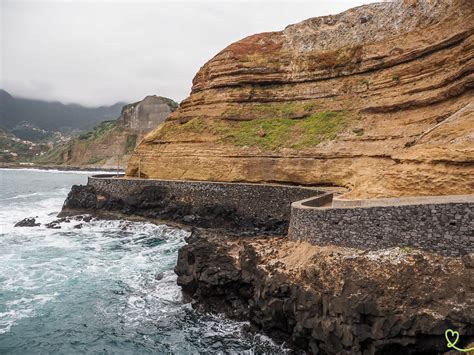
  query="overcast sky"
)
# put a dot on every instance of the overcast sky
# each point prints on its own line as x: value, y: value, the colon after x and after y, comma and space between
x: 101, y: 52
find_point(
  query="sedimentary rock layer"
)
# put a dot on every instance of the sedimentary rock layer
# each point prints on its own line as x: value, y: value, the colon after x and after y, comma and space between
x: 378, y: 99
x: 332, y: 300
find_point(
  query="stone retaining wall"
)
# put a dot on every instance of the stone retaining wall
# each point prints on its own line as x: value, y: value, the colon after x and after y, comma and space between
x: 262, y: 201
x: 441, y: 224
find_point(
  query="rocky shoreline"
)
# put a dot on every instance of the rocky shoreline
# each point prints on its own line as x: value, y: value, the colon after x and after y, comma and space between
x: 331, y: 300
x: 315, y: 299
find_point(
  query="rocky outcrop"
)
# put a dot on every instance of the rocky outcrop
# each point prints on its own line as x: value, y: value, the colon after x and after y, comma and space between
x: 27, y: 222
x: 328, y: 300
x: 142, y: 117
x: 113, y: 140
x: 377, y: 98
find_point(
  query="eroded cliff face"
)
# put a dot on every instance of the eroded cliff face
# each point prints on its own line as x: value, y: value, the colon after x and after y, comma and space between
x: 378, y: 99
x: 112, y: 142
x: 142, y: 117
x: 332, y: 300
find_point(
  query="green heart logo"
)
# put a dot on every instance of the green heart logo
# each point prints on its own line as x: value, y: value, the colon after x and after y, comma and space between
x: 452, y: 337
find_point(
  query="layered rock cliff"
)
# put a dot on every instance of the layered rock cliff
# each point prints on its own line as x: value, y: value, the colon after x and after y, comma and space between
x: 378, y: 99
x: 112, y: 142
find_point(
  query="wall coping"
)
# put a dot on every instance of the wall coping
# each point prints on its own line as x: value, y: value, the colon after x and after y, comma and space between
x: 340, y: 203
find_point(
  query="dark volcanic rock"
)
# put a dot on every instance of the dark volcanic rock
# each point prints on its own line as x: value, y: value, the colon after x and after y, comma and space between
x: 153, y: 202
x: 328, y: 300
x: 81, y: 197
x: 27, y: 222
x: 53, y: 224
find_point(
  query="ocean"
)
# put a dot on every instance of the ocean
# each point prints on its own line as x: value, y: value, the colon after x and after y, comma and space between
x: 107, y: 288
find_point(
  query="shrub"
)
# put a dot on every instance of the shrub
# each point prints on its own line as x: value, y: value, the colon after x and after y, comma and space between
x: 131, y: 143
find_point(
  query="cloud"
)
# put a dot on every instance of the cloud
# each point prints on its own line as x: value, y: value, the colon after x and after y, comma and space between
x: 102, y: 52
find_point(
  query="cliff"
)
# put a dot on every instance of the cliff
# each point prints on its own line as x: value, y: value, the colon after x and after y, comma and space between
x: 112, y: 140
x: 377, y: 99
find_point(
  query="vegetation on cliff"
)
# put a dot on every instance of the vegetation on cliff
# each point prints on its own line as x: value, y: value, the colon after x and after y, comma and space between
x: 265, y: 133
x: 104, y: 128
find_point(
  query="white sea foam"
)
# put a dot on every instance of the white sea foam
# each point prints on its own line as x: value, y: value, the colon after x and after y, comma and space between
x: 112, y: 276
x: 8, y: 319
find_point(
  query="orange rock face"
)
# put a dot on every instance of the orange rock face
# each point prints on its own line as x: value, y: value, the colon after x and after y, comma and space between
x: 378, y: 99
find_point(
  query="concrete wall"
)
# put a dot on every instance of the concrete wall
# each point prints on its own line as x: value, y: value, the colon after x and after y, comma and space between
x: 249, y: 200
x: 441, y: 224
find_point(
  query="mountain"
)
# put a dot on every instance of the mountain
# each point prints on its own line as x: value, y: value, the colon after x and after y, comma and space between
x: 111, y: 142
x: 52, y: 116
x: 377, y: 99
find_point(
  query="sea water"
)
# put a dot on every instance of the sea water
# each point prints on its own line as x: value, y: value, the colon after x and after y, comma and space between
x: 107, y: 288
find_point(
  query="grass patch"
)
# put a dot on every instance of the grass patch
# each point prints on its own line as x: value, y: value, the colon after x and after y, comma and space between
x: 131, y: 143
x: 173, y: 105
x: 273, y: 110
x: 408, y: 250
x: 102, y: 129
x: 317, y: 128
x: 196, y: 125
x: 246, y: 133
x: 55, y: 155
x: 96, y: 160
x: 268, y: 133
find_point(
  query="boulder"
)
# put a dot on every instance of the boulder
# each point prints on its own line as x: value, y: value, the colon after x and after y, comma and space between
x: 27, y: 222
